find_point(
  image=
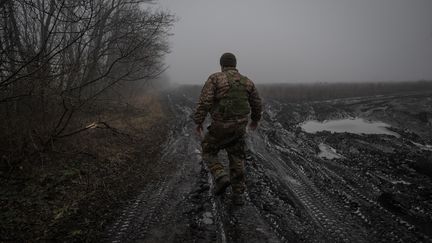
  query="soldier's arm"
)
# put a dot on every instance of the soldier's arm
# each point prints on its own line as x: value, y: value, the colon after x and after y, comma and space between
x: 205, y: 101
x: 255, y: 103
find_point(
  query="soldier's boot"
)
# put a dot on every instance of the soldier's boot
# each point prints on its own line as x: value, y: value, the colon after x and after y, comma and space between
x: 238, y: 199
x: 221, y: 184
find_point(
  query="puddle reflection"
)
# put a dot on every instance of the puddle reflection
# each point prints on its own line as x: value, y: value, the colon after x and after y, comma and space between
x: 357, y: 125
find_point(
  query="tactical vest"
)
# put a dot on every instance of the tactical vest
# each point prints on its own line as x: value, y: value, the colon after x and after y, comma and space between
x: 235, y: 103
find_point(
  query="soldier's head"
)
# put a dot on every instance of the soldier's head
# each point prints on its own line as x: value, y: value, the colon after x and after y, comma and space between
x: 228, y: 60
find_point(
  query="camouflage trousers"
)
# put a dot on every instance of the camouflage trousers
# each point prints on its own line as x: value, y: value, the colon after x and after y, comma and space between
x: 229, y: 137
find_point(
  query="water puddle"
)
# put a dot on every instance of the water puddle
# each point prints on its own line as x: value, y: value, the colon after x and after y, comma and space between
x: 426, y: 147
x: 328, y: 152
x: 353, y: 125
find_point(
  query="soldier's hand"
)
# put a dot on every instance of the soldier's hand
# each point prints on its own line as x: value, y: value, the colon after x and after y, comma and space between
x: 199, y: 131
x: 253, y: 125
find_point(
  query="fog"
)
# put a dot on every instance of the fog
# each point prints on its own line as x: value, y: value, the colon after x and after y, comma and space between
x: 302, y: 41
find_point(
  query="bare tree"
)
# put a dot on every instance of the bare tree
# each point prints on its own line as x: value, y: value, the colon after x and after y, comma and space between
x: 58, y: 56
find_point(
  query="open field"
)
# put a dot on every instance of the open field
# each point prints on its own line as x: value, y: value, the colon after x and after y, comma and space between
x: 377, y: 188
x: 142, y: 179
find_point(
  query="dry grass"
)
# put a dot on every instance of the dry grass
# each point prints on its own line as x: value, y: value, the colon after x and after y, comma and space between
x: 72, y: 192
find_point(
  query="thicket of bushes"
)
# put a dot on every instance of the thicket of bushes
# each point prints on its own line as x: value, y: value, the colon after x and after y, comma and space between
x: 61, y: 58
x: 74, y: 144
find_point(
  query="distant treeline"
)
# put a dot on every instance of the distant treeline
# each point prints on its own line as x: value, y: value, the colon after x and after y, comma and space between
x: 324, y: 91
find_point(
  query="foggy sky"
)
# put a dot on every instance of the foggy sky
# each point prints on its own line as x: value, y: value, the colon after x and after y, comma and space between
x: 302, y: 40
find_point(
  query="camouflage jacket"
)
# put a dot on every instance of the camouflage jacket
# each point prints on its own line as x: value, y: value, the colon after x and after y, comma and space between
x: 215, y: 88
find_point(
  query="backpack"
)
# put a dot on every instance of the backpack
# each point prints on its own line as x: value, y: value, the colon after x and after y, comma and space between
x: 235, y: 103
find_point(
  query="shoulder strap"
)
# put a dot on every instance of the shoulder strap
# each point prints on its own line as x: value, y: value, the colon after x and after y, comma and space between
x: 243, y: 80
x: 230, y: 77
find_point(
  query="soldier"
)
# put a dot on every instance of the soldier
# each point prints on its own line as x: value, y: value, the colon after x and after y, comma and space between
x: 229, y: 97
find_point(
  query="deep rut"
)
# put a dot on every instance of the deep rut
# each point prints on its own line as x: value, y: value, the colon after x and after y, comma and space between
x: 285, y: 201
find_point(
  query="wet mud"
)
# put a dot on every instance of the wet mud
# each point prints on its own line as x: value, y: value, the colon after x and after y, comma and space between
x: 377, y: 190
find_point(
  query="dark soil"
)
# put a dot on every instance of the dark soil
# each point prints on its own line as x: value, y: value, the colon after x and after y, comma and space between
x: 372, y: 193
x: 73, y: 191
x: 152, y: 185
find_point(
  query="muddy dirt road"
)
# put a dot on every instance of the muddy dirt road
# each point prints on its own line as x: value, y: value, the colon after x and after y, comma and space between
x: 368, y: 193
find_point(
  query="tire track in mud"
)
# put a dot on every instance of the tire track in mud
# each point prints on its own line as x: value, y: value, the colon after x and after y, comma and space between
x: 157, y: 204
x: 370, y: 222
x: 241, y: 223
x: 323, y: 212
x: 384, y: 220
x: 285, y: 200
x: 130, y: 215
x: 176, y: 208
x: 233, y: 224
x: 250, y: 223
